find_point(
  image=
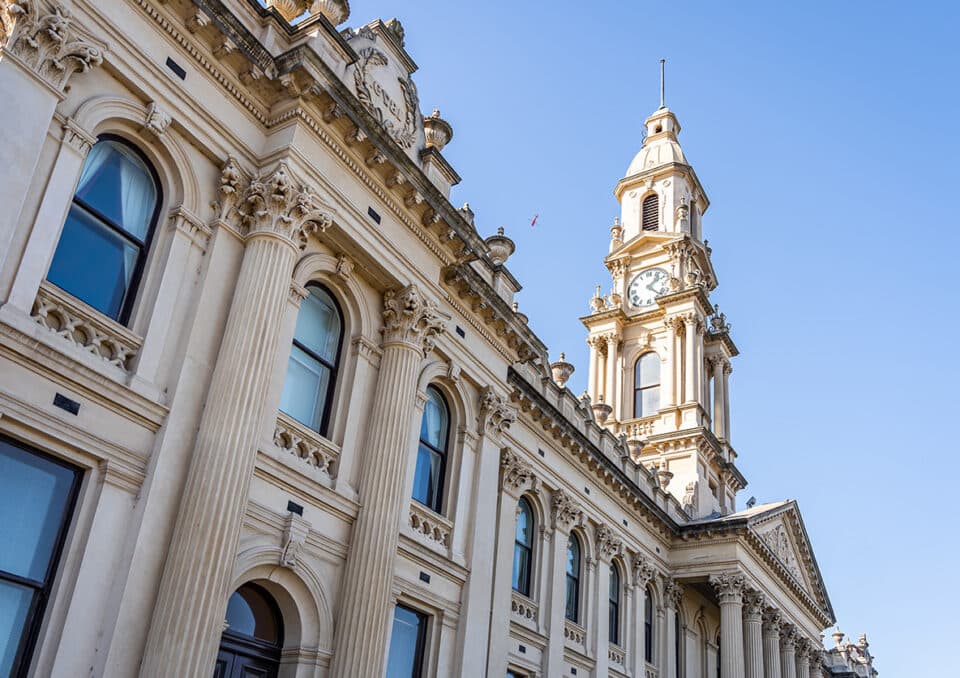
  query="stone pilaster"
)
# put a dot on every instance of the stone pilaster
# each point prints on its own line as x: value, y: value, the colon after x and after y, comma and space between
x: 668, y: 373
x: 727, y: 369
x: 566, y: 514
x: 673, y: 596
x: 191, y: 603
x: 788, y: 661
x: 716, y: 362
x: 643, y: 574
x: 690, y: 387
x: 608, y: 545
x: 612, y: 397
x: 753, y: 633
x: 515, y: 476
x: 729, y: 588
x: 771, y: 643
x: 411, y: 324
x: 595, y: 378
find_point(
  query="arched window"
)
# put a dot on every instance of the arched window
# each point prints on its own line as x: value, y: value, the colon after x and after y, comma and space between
x: 678, y: 643
x: 573, y: 579
x: 614, y: 604
x: 105, y: 238
x: 646, y: 385
x: 253, y: 638
x: 651, y: 213
x: 312, y: 367
x: 648, y: 626
x: 523, y: 548
x: 432, y: 452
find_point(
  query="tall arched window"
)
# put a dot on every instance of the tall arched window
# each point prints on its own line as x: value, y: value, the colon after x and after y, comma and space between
x: 648, y: 626
x: 614, y: 626
x: 523, y: 548
x: 651, y: 213
x: 573, y: 579
x: 432, y: 452
x: 646, y: 385
x: 253, y: 638
x: 105, y: 238
x: 312, y: 367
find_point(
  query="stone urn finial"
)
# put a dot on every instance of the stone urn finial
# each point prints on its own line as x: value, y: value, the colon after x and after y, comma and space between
x: 664, y: 476
x: 288, y: 9
x: 501, y: 247
x: 838, y: 637
x: 601, y: 411
x: 437, y: 131
x: 335, y: 11
x: 635, y: 445
x: 597, y: 302
x: 561, y: 370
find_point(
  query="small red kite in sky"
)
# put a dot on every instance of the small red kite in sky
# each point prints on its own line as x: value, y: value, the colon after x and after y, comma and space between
x: 533, y: 222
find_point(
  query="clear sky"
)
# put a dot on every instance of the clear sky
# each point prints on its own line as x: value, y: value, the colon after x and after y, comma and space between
x: 826, y: 136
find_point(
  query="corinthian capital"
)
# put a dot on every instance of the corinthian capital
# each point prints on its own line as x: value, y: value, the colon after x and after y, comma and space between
x: 495, y: 414
x: 788, y: 637
x: 673, y: 593
x: 772, y: 621
x: 566, y: 511
x: 753, y: 602
x: 643, y: 571
x: 277, y: 203
x: 42, y: 35
x: 515, y: 473
x: 411, y: 318
x: 729, y: 586
x: 608, y: 544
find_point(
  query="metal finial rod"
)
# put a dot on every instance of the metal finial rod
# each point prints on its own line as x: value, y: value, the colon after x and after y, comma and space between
x: 662, y: 62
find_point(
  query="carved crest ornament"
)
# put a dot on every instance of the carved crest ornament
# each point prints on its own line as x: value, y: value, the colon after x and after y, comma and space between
x: 399, y: 119
x: 778, y: 541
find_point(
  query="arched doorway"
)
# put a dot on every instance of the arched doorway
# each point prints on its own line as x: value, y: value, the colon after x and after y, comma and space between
x: 251, y: 643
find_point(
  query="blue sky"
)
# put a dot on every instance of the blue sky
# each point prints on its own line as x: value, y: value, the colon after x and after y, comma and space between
x: 826, y: 137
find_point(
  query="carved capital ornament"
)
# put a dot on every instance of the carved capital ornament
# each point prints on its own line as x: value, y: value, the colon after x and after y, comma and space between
x: 411, y: 318
x: 729, y: 586
x: 515, y: 473
x: 278, y: 204
x: 566, y: 511
x: 496, y: 415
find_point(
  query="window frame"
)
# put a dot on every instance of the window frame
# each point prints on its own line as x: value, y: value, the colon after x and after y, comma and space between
x: 576, y: 579
x: 251, y: 646
x: 133, y: 289
x: 443, y: 454
x: 651, y: 199
x: 42, y: 590
x: 648, y: 626
x: 529, y: 548
x: 324, y: 428
x: 614, y: 605
x: 420, y: 651
x: 638, y: 389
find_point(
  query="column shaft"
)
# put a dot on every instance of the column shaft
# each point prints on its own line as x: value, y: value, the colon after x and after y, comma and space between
x: 593, y: 379
x: 788, y: 661
x: 718, y: 407
x: 558, y: 584
x: 191, y: 603
x: 726, y: 401
x: 731, y: 639
x: 613, y: 382
x: 771, y: 652
x: 753, y: 646
x: 690, y: 353
x: 668, y: 372
x: 601, y: 633
x: 502, y: 587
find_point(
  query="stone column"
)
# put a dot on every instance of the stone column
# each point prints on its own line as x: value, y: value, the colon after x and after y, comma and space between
x: 41, y: 48
x: 411, y: 324
x: 566, y: 514
x: 613, y: 382
x: 788, y: 661
x: 816, y: 660
x: 753, y: 634
x: 515, y: 476
x: 673, y: 597
x: 668, y: 380
x: 643, y: 573
x: 729, y: 588
x: 700, y: 366
x: 803, y: 658
x: 608, y: 546
x: 771, y: 643
x: 727, y: 369
x: 594, y: 379
x: 717, y: 416
x: 690, y: 359
x: 197, y: 576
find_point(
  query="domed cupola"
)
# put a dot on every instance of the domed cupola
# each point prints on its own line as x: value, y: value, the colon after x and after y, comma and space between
x: 660, y: 146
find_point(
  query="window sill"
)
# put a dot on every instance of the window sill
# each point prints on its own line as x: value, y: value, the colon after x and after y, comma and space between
x: 429, y: 528
x: 616, y: 655
x: 575, y: 636
x: 525, y: 611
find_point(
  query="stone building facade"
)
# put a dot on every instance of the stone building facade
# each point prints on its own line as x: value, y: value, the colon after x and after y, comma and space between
x: 267, y: 406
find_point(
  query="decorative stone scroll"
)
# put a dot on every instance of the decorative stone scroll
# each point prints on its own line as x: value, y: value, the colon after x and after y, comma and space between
x: 409, y: 317
x: 778, y: 541
x: 43, y: 35
x: 608, y: 544
x: 772, y: 620
x: 566, y: 511
x: 495, y: 414
x: 277, y: 203
x: 295, y: 533
x: 643, y: 571
x: 753, y: 603
x: 398, y: 119
x: 729, y: 586
x: 515, y: 473
x: 673, y: 593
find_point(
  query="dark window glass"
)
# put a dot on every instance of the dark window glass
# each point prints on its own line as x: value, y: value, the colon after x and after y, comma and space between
x: 646, y: 385
x: 678, y: 644
x: 36, y: 499
x: 523, y: 548
x: 432, y: 451
x: 406, y: 644
x: 648, y: 627
x: 312, y: 367
x: 614, y: 604
x: 573, y: 579
x: 253, y: 638
x: 104, y: 240
x: 651, y: 213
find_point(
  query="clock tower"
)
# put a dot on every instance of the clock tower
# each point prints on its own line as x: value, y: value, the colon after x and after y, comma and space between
x: 660, y: 351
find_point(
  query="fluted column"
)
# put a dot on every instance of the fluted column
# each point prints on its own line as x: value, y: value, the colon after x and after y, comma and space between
x: 566, y: 513
x: 411, y: 324
x: 594, y: 378
x: 674, y: 596
x: 515, y: 476
x: 612, y: 381
x: 690, y: 359
x: 803, y: 658
x: 718, y: 415
x: 771, y: 643
x: 729, y: 588
x: 788, y: 661
x: 816, y: 660
x: 668, y: 381
x: 607, y: 547
x: 191, y: 603
x: 753, y: 634
x: 727, y: 369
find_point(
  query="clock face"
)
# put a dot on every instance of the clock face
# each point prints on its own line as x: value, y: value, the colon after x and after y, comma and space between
x: 646, y: 286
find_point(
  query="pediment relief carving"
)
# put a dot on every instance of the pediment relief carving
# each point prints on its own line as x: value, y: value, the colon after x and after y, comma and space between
x: 777, y: 536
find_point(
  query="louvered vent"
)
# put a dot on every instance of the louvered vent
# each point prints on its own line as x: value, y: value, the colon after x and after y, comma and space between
x: 650, y: 213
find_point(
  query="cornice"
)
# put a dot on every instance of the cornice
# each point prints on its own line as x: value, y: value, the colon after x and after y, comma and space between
x: 659, y: 171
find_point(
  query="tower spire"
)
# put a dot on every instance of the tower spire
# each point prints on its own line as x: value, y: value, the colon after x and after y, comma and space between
x: 662, y: 62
